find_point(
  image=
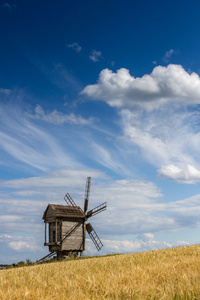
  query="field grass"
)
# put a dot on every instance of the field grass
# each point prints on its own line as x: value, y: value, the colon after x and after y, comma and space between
x: 164, y: 274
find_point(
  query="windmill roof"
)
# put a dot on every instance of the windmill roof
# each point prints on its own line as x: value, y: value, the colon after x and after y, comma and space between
x: 63, y: 211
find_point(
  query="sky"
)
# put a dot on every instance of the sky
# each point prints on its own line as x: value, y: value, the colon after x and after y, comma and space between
x: 106, y: 89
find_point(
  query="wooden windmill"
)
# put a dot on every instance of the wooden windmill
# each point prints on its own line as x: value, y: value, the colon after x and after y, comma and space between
x: 66, y: 226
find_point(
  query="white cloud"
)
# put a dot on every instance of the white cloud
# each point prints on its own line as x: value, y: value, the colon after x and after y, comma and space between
x: 5, y: 92
x: 168, y: 55
x: 58, y: 118
x: 75, y: 46
x: 34, y: 141
x: 148, y: 242
x: 189, y: 175
x: 137, y: 204
x: 135, y: 201
x: 107, y: 158
x: 19, y: 245
x: 55, y: 179
x: 167, y: 137
x: 5, y: 236
x: 158, y: 116
x: 165, y: 84
x: 28, y: 143
x: 143, y: 242
x: 95, y: 55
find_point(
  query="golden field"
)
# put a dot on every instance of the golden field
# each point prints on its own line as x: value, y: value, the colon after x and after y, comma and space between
x: 164, y: 274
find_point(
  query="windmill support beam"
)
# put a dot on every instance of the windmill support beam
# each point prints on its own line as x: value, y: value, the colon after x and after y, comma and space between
x: 45, y: 232
x: 56, y: 231
x: 45, y: 257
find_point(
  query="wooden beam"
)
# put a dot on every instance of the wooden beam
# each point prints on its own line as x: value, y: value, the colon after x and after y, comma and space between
x: 45, y: 232
x: 83, y: 235
x: 56, y: 232
x: 61, y: 244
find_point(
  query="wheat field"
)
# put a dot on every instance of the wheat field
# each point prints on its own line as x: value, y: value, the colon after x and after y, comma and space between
x: 164, y: 274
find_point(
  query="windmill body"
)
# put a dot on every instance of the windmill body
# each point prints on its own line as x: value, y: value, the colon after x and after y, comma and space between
x: 65, y: 226
x: 64, y: 229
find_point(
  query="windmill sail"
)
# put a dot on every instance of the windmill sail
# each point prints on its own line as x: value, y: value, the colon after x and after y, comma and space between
x: 96, y: 210
x: 87, y: 192
x: 94, y: 236
x: 69, y: 200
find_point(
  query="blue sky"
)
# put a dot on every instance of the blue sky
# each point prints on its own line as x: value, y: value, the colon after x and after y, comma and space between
x: 107, y: 89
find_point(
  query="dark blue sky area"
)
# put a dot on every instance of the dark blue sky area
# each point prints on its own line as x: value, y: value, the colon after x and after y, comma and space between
x: 130, y: 34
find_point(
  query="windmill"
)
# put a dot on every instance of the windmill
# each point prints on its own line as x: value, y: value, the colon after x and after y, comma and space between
x: 66, y: 226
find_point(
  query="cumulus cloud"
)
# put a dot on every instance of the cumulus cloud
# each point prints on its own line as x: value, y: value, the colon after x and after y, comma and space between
x: 165, y: 84
x: 189, y: 175
x: 59, y: 118
x: 75, y: 46
x: 95, y: 55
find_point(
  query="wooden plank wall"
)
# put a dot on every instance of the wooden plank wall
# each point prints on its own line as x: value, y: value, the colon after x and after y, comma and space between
x: 75, y: 241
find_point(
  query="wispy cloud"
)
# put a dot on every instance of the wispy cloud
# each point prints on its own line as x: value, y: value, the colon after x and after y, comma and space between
x: 75, y: 46
x: 169, y: 54
x: 5, y: 92
x: 58, y: 118
x: 95, y: 55
x: 46, y: 140
x: 9, y: 6
x: 30, y: 144
x: 72, y: 178
x: 105, y: 156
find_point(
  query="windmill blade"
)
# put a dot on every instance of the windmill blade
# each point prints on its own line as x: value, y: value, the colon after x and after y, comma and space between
x: 96, y: 210
x: 87, y: 192
x: 69, y: 200
x: 94, y: 236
